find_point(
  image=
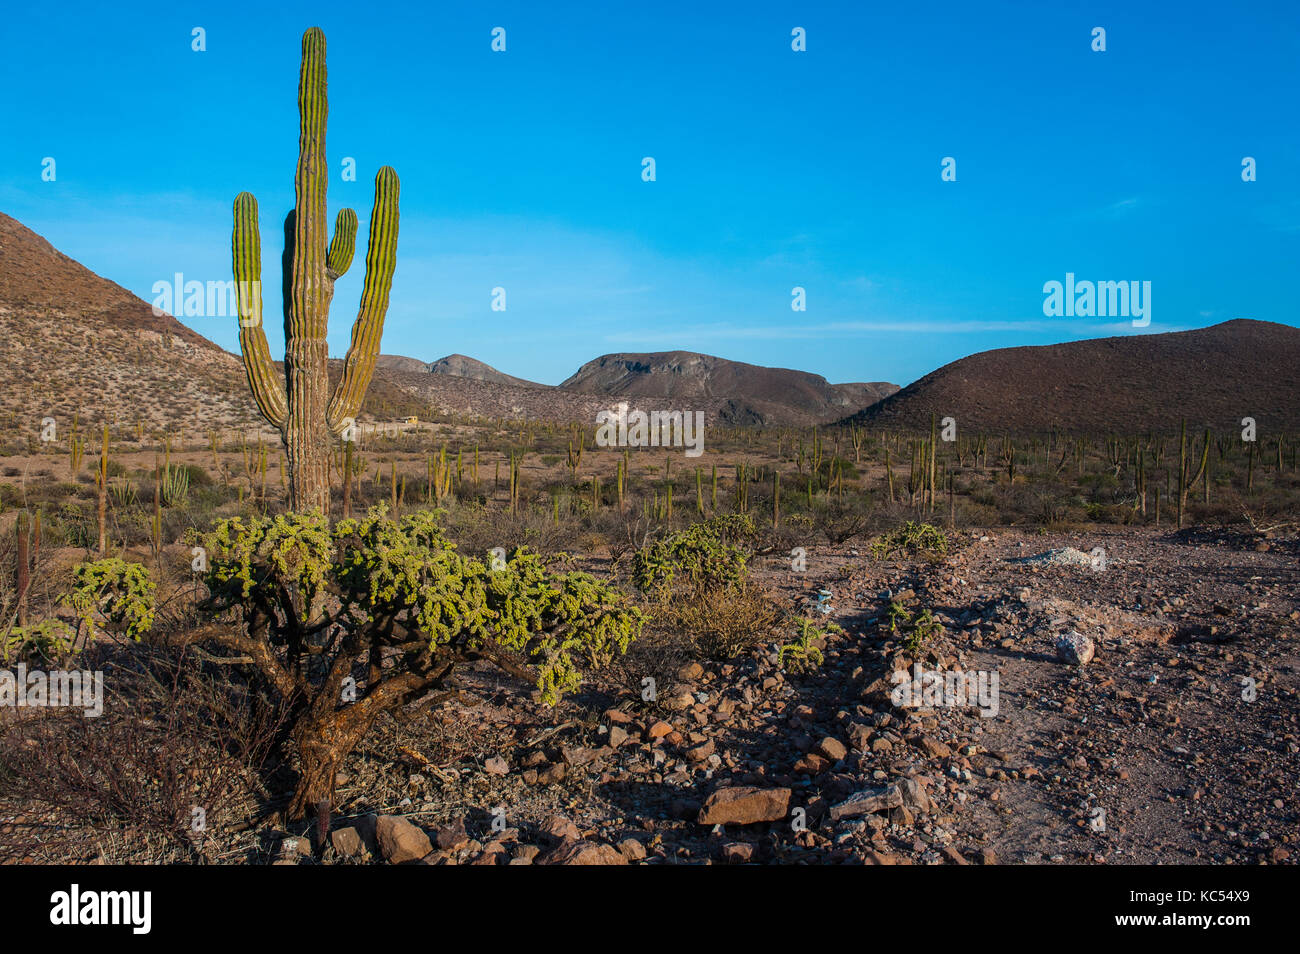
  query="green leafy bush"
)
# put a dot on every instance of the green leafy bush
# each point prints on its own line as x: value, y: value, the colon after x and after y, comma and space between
x: 45, y: 641
x: 924, y: 628
x: 916, y: 632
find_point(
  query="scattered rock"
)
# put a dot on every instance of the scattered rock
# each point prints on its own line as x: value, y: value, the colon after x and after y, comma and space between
x: 1074, y: 649
x: 831, y: 749
x: 453, y: 835
x: 400, y: 841
x: 690, y: 672
x: 631, y: 849
x: 347, y: 842
x: 583, y: 853
x: 867, y: 802
x: 559, y: 829
x: 745, y: 805
x: 915, y: 797
x: 736, y: 853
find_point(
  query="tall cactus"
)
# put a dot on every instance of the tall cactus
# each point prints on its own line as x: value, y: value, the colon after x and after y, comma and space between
x: 298, y: 405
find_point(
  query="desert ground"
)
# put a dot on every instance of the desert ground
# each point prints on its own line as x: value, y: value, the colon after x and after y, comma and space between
x: 760, y: 725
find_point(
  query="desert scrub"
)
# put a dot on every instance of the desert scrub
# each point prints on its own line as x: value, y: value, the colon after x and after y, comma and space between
x: 722, y: 623
x: 917, y: 632
x: 897, y: 616
x: 107, y: 596
x: 113, y: 594
x: 803, y: 654
x: 699, y: 558
x: 910, y: 539
x: 351, y: 621
x: 924, y: 628
x: 47, y: 641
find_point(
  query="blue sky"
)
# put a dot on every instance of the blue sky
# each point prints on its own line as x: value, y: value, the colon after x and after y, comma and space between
x: 819, y: 169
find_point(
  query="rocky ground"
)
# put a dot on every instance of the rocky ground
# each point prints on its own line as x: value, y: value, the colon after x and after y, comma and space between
x: 1177, y: 741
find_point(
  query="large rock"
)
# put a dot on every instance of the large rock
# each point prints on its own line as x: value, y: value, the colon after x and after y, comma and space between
x: 453, y: 836
x: 400, y: 841
x: 915, y: 797
x: 1074, y: 649
x: 346, y: 842
x: 736, y: 853
x: 867, y: 802
x: 831, y: 748
x: 583, y: 853
x: 745, y: 805
x: 560, y: 830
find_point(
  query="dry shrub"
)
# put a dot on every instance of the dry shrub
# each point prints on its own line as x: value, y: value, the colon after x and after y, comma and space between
x: 725, y: 622
x: 174, y: 736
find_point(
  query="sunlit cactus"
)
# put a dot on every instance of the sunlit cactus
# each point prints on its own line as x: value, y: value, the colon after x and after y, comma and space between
x: 299, y: 404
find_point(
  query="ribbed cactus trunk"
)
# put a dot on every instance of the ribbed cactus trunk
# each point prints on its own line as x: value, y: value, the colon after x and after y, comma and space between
x: 300, y: 405
x: 306, y: 354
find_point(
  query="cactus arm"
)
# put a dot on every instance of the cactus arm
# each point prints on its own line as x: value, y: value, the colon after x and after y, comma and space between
x: 1205, y: 457
x: 339, y: 257
x: 246, y: 251
x: 381, y: 260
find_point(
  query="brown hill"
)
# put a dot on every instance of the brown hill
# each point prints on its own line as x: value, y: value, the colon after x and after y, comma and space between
x: 397, y: 362
x: 736, y: 392
x: 75, y: 344
x: 486, y: 399
x: 1212, y: 376
x: 865, y: 394
x: 460, y: 366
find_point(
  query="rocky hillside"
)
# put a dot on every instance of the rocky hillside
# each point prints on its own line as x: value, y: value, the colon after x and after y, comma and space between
x: 460, y: 366
x: 455, y: 366
x: 1211, y: 376
x: 739, y: 393
x: 75, y: 344
x: 464, y: 396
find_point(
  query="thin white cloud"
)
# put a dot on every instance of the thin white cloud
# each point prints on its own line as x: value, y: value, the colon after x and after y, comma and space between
x: 843, y: 329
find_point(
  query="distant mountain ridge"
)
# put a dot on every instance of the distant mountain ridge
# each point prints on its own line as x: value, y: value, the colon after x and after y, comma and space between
x: 74, y: 345
x: 727, y: 391
x: 749, y: 394
x: 456, y: 366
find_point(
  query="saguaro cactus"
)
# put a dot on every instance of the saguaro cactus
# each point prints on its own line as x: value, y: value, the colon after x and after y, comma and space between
x: 298, y: 406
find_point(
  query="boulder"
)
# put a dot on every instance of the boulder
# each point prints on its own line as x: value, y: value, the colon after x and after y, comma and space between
x: 745, y: 805
x: 400, y: 841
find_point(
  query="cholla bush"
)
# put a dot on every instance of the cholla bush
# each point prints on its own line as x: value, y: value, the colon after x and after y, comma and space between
x: 699, y: 580
x: 107, y: 596
x: 910, y: 538
x: 115, y: 593
x: 370, y: 615
x: 804, y: 655
x: 699, y: 558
